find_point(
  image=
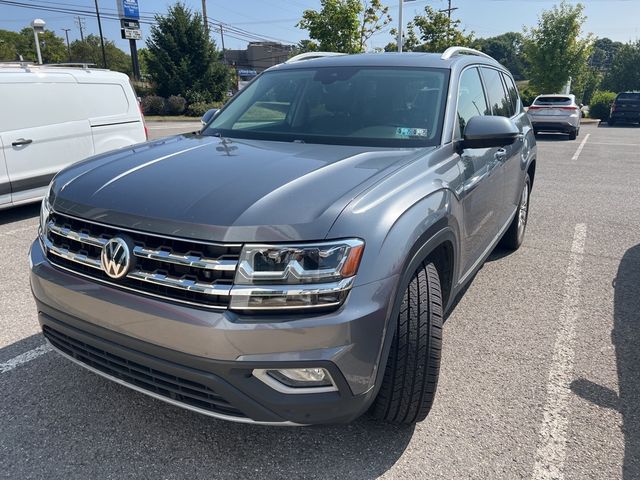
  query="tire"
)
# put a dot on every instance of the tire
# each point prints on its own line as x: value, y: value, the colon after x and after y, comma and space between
x: 573, y: 135
x: 611, y: 122
x: 411, y: 374
x: 514, y: 236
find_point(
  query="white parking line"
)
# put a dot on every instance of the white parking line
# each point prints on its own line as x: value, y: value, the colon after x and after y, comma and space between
x: 25, y: 358
x: 551, y: 452
x: 579, y: 151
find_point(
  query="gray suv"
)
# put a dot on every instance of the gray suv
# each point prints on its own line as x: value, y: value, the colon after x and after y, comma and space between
x: 292, y: 262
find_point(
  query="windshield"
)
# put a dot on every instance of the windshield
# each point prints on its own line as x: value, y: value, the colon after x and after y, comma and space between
x: 633, y: 96
x: 371, y: 106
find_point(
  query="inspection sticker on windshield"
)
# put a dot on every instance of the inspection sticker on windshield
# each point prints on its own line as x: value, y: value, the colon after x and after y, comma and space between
x: 405, y: 132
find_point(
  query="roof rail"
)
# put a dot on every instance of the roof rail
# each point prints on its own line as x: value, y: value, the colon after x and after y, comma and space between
x: 452, y: 51
x: 84, y: 65
x: 312, y: 55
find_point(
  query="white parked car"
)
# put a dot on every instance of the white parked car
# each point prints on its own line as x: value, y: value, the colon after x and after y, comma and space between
x: 555, y: 113
x: 53, y: 116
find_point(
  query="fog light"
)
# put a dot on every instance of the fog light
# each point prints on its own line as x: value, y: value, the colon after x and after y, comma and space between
x: 297, y: 380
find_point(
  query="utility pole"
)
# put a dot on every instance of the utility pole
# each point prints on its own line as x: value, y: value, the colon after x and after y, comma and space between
x: 205, y: 19
x: 104, y: 55
x: 66, y: 34
x: 448, y: 12
x: 80, y: 22
x: 224, y: 54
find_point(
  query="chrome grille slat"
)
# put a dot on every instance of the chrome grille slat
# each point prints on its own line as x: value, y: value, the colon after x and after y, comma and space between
x: 77, y: 236
x: 74, y: 257
x: 186, y: 260
x: 186, y: 271
x: 180, y: 283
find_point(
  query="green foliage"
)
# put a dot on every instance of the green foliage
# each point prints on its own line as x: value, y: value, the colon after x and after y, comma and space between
x: 153, y: 105
x: 601, y: 104
x: 624, y: 73
x: 506, y: 49
x: 527, y: 94
x: 200, y: 108
x: 343, y: 25
x: 432, y: 32
x: 175, y: 105
x: 305, y: 46
x: 14, y: 44
x: 181, y: 56
x: 604, y: 51
x: 555, y: 50
x: 90, y: 51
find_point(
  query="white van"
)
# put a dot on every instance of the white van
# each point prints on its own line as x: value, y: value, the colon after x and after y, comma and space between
x: 53, y: 116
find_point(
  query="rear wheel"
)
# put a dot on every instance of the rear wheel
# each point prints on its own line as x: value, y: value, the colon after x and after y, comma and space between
x: 514, y: 236
x: 411, y: 375
x: 573, y: 135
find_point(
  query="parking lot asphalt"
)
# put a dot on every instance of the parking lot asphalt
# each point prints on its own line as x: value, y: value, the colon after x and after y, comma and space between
x: 540, y: 373
x: 164, y: 129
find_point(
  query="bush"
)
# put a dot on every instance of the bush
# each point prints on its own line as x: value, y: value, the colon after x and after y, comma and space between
x: 175, y: 105
x: 600, y: 106
x: 200, y: 108
x: 153, y: 105
x: 527, y: 94
x: 197, y: 96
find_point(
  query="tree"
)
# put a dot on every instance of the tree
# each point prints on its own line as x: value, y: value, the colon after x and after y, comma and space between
x: 344, y: 25
x: 624, y: 73
x: 435, y: 33
x: 604, y: 51
x: 506, y: 49
x: 555, y: 50
x: 305, y: 46
x: 182, y: 59
x: 90, y: 51
x: 14, y: 44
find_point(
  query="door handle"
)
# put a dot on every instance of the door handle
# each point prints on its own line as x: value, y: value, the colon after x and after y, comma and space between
x: 501, y: 155
x: 21, y: 141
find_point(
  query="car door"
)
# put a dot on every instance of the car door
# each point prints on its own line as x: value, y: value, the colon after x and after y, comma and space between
x: 518, y: 153
x: 482, y: 192
x: 47, y: 131
x: 5, y: 186
x: 507, y: 156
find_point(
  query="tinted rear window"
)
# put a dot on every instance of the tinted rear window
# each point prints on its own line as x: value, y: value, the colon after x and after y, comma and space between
x: 553, y: 101
x: 635, y: 96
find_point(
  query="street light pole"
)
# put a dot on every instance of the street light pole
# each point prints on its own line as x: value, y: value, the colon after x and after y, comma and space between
x: 66, y: 34
x: 400, y: 26
x: 38, y: 27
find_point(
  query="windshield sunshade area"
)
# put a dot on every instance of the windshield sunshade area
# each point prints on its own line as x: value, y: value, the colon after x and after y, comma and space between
x: 629, y: 97
x: 369, y: 106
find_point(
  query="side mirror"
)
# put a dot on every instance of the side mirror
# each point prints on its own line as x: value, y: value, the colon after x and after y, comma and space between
x: 489, y: 132
x: 209, y: 114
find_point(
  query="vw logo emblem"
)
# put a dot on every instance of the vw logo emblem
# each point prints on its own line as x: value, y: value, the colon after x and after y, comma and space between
x: 116, y: 258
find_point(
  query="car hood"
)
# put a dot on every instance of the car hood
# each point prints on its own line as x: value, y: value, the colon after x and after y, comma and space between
x: 217, y: 189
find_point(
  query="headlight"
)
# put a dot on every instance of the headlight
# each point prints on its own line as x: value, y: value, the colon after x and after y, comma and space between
x: 45, y: 211
x: 295, y: 276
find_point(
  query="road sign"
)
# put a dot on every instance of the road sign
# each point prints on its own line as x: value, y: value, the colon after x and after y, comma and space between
x: 132, y: 24
x: 128, y: 9
x: 131, y: 33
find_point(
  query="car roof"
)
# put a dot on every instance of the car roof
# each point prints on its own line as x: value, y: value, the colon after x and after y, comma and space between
x: 80, y: 74
x: 390, y: 59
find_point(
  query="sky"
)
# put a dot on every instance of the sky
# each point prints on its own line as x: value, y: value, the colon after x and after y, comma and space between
x: 276, y: 19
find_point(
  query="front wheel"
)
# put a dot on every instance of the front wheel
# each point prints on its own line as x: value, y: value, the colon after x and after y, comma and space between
x: 514, y: 236
x: 411, y: 375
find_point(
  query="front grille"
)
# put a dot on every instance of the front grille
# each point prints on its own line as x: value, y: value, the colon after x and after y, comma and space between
x: 180, y: 270
x: 170, y: 386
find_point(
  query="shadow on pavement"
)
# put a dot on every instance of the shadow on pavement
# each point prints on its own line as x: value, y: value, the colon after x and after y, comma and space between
x: 16, y: 214
x: 626, y: 341
x: 62, y: 421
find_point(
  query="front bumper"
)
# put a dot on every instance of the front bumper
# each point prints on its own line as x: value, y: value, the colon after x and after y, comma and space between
x: 142, y: 342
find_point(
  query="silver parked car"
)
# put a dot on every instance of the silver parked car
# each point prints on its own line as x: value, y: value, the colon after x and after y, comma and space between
x: 556, y: 113
x: 292, y: 262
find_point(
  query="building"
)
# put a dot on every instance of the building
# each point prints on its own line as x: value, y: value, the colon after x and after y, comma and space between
x: 258, y: 56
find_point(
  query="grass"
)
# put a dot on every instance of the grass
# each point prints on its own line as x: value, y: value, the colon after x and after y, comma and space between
x: 170, y: 118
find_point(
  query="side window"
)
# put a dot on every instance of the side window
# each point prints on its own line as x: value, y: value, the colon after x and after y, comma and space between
x: 498, y: 98
x: 471, y: 99
x: 513, y: 93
